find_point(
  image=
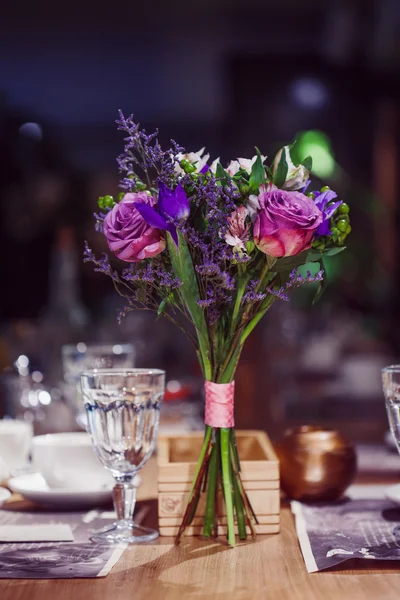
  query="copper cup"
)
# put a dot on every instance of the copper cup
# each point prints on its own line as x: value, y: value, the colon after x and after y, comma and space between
x: 316, y: 463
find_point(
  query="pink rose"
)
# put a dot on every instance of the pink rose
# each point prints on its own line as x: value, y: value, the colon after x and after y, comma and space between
x: 286, y: 222
x: 127, y: 233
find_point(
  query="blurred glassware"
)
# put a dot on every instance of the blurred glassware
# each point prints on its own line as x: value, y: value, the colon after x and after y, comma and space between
x: 123, y: 411
x: 24, y: 394
x: 391, y: 390
x: 81, y: 357
x: 15, y: 445
x: 317, y: 464
x: 180, y: 413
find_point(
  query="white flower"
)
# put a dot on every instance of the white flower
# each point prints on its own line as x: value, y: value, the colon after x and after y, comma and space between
x: 297, y: 175
x: 213, y: 167
x: 242, y: 163
x: 253, y: 204
x: 233, y: 168
x: 196, y: 158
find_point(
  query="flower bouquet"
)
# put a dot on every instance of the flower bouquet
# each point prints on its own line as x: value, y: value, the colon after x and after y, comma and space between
x: 211, y: 249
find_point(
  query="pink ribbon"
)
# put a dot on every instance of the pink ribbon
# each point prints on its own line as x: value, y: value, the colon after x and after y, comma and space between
x: 219, y: 404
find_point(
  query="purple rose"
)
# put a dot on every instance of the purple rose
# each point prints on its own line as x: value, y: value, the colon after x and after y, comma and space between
x: 286, y: 222
x: 128, y: 234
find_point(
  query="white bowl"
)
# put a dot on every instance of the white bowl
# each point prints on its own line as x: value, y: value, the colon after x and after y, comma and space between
x: 67, y: 460
x: 393, y: 493
x: 4, y: 495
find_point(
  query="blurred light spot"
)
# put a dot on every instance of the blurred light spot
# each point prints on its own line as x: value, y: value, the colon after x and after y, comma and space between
x: 317, y: 145
x: 25, y: 399
x: 81, y: 347
x: 44, y: 397
x: 23, y: 371
x: 32, y: 130
x: 55, y: 393
x: 118, y: 349
x: 22, y: 361
x: 310, y: 92
x: 32, y: 398
x: 37, y: 376
x: 173, y: 386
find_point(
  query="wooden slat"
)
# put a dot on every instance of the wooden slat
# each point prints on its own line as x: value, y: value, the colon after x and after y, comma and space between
x: 248, y: 485
x: 191, y: 531
x: 185, y: 472
x: 173, y: 521
x: 265, y: 502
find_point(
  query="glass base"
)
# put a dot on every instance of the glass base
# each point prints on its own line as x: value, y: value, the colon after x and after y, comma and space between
x: 125, y: 533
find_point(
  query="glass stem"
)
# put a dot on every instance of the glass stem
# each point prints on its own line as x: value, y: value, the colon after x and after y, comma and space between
x: 124, y: 496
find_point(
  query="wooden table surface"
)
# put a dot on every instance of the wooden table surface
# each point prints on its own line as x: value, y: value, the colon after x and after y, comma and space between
x: 272, y: 567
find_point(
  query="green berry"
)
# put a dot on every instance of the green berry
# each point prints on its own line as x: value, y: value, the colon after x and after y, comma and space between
x: 342, y: 225
x: 250, y: 247
x: 108, y: 201
x: 344, y: 209
x: 325, y: 188
x: 140, y: 186
x: 311, y: 195
x: 120, y: 196
x: 100, y: 202
x: 187, y: 166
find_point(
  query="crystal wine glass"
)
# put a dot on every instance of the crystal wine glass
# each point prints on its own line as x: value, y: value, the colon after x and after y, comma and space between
x: 391, y: 390
x: 123, y: 409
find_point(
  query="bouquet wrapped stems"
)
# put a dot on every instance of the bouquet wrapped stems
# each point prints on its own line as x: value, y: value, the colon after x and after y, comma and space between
x: 219, y: 465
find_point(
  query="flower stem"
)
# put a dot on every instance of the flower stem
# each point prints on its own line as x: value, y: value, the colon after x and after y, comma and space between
x: 259, y: 315
x: 210, y: 513
x: 239, y: 509
x: 225, y: 434
x: 201, y: 472
x: 239, y: 489
x: 203, y: 452
x: 239, y: 295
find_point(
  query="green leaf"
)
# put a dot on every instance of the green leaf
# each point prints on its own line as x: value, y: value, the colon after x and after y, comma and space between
x: 220, y: 173
x: 183, y: 268
x: 307, y: 163
x: 282, y: 170
x: 333, y: 251
x: 290, y: 262
x: 257, y: 176
x: 322, y: 285
x: 313, y: 256
x: 162, y: 306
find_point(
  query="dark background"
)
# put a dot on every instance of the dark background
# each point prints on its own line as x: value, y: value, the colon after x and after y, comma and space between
x: 228, y: 76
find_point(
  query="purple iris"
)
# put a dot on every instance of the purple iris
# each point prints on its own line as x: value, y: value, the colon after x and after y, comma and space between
x: 321, y: 200
x: 173, y: 206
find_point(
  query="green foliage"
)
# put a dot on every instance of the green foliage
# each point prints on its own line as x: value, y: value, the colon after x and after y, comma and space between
x: 257, y: 176
x: 307, y: 163
x: 281, y: 171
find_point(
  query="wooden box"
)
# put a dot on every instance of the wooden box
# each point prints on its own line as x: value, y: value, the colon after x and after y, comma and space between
x: 177, y: 456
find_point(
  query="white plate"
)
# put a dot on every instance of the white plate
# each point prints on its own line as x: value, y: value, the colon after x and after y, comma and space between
x: 390, y: 441
x: 33, y: 487
x: 393, y: 493
x: 4, y: 495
